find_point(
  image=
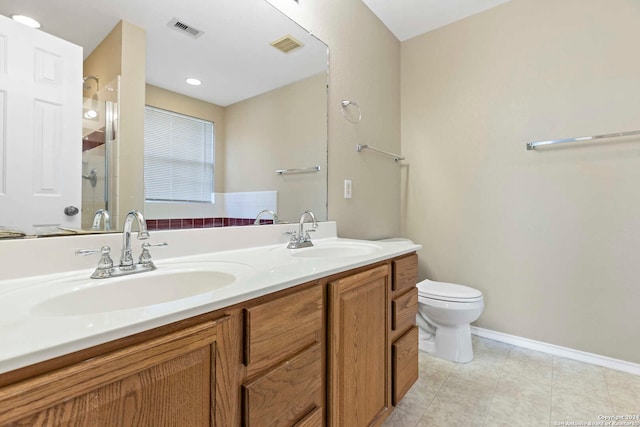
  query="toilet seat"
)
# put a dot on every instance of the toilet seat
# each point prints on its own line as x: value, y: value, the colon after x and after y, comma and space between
x: 451, y: 292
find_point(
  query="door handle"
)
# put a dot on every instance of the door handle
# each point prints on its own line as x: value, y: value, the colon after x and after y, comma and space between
x: 71, y: 211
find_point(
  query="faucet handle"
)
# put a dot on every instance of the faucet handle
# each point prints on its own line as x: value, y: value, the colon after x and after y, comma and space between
x: 104, y: 251
x: 105, y: 265
x: 145, y: 256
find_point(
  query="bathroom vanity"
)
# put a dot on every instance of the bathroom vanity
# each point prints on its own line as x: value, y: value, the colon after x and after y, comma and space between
x: 333, y: 342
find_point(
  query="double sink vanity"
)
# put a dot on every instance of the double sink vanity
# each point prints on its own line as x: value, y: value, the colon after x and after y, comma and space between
x: 232, y: 328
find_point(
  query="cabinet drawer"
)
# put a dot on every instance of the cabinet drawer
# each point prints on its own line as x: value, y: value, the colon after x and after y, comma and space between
x: 404, y: 309
x: 271, y: 336
x: 312, y: 419
x: 405, y: 273
x: 404, y: 353
x: 287, y: 393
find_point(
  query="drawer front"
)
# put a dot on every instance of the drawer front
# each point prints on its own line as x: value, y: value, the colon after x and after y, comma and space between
x: 405, y: 273
x: 271, y: 336
x: 404, y: 354
x: 403, y: 310
x: 313, y: 419
x: 286, y: 394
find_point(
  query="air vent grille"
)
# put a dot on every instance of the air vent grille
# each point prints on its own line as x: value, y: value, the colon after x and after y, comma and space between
x: 286, y: 44
x: 186, y: 29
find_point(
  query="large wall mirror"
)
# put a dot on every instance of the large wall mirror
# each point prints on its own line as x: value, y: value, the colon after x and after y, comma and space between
x: 262, y: 101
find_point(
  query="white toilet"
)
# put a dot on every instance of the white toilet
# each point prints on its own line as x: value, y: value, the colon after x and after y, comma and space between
x: 445, y: 311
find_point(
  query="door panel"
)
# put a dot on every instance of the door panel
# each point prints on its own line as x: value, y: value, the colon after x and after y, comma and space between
x: 40, y: 129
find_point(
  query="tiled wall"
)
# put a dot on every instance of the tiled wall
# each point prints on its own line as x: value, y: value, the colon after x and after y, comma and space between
x: 182, y: 223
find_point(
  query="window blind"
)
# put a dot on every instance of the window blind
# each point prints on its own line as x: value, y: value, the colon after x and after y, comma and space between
x: 178, y: 157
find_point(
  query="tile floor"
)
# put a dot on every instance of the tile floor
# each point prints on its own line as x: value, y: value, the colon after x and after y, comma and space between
x: 511, y: 386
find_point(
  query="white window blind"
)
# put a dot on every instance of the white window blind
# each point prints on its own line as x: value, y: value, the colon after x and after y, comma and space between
x: 178, y: 157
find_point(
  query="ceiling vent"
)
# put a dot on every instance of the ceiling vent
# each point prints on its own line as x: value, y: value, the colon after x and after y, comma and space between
x: 188, y: 30
x: 286, y: 44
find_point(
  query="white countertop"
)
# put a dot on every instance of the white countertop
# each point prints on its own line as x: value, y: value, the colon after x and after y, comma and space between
x: 28, y: 336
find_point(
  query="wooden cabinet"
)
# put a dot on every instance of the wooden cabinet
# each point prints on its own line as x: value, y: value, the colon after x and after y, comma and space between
x: 168, y: 380
x: 358, y: 361
x: 339, y: 352
x: 283, y: 356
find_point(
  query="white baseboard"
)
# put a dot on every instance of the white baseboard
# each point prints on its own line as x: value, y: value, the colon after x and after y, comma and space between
x: 556, y: 350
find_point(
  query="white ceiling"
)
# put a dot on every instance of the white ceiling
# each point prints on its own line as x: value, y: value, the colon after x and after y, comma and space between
x: 233, y: 57
x: 409, y: 18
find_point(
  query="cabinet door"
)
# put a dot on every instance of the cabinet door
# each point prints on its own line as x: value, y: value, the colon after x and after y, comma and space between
x: 358, y: 361
x: 164, y: 381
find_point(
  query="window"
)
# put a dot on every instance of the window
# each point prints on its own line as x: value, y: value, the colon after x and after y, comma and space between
x: 178, y: 157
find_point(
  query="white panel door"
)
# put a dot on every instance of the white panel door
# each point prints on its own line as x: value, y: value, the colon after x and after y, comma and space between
x: 40, y: 129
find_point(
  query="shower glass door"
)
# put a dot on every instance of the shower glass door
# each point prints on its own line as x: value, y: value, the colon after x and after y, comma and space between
x: 100, y: 131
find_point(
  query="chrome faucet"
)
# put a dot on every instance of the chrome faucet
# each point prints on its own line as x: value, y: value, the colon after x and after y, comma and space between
x: 302, y: 238
x: 102, y: 214
x: 106, y: 268
x: 266, y: 211
x: 126, y: 258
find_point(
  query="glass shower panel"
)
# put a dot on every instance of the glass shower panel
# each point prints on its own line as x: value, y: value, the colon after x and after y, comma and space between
x: 100, y: 130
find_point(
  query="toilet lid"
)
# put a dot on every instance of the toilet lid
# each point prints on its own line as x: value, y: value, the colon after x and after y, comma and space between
x: 447, y: 291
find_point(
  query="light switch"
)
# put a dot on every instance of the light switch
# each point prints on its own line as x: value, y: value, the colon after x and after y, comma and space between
x: 347, y: 188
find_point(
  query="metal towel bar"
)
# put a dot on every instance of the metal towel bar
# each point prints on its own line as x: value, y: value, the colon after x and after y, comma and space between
x: 361, y: 147
x: 305, y: 170
x: 533, y: 145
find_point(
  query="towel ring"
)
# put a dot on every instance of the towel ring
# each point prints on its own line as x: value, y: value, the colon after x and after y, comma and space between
x: 344, y: 104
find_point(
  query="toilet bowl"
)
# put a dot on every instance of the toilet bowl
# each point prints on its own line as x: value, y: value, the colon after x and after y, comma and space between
x: 445, y: 311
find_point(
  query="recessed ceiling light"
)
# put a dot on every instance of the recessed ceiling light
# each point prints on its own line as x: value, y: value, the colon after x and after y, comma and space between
x: 30, y: 22
x: 193, y: 82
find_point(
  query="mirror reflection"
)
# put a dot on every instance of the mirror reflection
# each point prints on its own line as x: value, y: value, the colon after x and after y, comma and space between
x: 78, y: 145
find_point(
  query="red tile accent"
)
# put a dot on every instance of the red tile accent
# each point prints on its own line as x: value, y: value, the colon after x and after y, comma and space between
x: 186, y: 223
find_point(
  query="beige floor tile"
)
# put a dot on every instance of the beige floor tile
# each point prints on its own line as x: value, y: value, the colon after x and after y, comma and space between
x: 510, y: 386
x: 576, y: 406
x: 490, y: 352
x: 474, y: 390
x: 520, y: 403
x: 567, y: 371
x: 412, y: 407
x: 624, y: 390
x: 575, y: 381
x: 435, y: 370
x: 446, y: 413
x: 529, y: 365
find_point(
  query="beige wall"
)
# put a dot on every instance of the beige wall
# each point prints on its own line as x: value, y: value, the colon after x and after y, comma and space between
x: 552, y: 236
x: 122, y: 53
x: 364, y: 67
x: 282, y: 129
x: 172, y: 101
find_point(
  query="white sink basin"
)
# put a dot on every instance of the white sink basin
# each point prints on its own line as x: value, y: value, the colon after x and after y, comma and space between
x: 335, y: 250
x: 167, y: 284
